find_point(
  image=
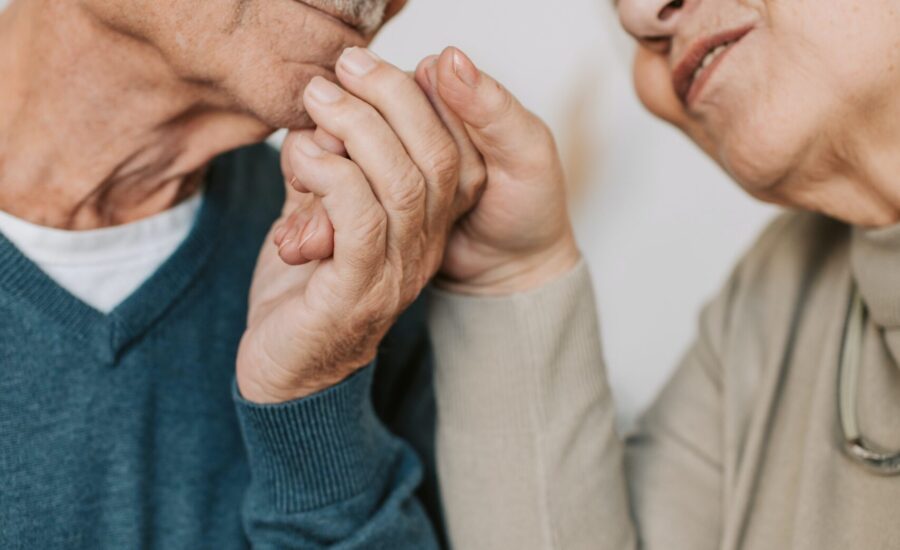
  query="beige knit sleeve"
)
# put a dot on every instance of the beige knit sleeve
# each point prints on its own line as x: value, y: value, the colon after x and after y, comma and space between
x: 528, y: 455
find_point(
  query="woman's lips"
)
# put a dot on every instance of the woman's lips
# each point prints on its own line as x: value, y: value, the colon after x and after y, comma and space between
x: 701, y: 61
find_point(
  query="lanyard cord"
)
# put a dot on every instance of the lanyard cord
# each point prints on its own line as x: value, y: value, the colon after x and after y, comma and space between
x: 870, y: 456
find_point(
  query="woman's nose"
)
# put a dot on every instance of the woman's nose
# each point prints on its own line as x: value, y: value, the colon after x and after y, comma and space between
x: 652, y: 22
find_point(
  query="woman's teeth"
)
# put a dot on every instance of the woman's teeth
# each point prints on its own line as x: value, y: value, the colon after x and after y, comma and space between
x: 709, y: 58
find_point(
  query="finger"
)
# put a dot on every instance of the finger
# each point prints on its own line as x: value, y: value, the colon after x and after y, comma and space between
x: 330, y: 143
x: 472, y: 172
x: 307, y: 235
x: 397, y: 183
x: 304, y: 233
x: 292, y: 199
x: 405, y: 107
x: 359, y: 221
x: 322, y: 138
x: 506, y: 133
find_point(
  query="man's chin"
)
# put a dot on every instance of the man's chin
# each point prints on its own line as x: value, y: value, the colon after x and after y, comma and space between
x: 293, y: 120
x: 278, y: 103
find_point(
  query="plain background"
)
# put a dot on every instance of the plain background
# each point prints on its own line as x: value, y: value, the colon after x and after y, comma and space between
x: 660, y: 225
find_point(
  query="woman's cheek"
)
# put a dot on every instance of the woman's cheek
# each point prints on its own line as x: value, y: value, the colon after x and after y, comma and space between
x: 653, y: 83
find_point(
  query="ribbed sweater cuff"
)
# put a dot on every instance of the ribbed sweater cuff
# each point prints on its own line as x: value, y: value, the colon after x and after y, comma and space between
x: 316, y: 451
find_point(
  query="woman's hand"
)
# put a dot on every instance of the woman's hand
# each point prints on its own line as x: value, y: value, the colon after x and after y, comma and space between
x: 362, y: 232
x: 518, y: 237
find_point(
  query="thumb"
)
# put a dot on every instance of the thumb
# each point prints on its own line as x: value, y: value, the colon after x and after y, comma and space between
x: 507, y: 134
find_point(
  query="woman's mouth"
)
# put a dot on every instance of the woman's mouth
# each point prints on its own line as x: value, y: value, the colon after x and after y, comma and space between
x: 701, y: 61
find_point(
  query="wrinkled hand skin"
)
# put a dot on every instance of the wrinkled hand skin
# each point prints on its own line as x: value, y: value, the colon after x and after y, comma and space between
x: 518, y: 235
x: 373, y: 194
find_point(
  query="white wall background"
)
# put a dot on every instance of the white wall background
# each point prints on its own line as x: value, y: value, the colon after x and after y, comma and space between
x: 659, y: 224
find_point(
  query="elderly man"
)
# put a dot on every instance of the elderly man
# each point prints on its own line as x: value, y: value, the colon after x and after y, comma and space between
x: 144, y: 401
x: 123, y: 289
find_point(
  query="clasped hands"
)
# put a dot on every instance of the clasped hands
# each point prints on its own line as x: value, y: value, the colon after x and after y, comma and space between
x: 441, y: 174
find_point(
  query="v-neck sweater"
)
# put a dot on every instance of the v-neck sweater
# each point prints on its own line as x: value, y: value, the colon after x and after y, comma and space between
x: 124, y: 430
x: 742, y: 450
x: 102, y: 267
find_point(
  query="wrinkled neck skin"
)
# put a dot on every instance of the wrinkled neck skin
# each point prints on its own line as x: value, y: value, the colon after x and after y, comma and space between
x: 853, y: 172
x: 95, y: 129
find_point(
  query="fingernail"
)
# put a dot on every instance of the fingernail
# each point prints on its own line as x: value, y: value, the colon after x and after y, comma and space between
x: 324, y: 91
x: 292, y: 237
x: 465, y: 70
x: 358, y: 61
x: 305, y: 240
x: 309, y: 148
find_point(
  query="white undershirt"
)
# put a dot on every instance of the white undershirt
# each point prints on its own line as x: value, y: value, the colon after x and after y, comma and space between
x: 103, y: 267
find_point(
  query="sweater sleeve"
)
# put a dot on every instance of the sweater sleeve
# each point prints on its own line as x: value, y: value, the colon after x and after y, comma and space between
x: 528, y: 454
x: 325, y: 473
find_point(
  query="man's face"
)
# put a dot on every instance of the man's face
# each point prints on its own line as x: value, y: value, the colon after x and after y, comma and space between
x: 254, y: 56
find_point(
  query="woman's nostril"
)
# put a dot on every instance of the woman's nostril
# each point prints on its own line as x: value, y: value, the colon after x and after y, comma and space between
x: 670, y: 9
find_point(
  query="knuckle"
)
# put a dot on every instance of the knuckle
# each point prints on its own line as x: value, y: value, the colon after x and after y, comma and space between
x: 406, y: 191
x: 442, y: 165
x: 372, y: 226
x: 542, y: 151
x: 500, y: 105
x: 396, y: 83
x: 473, y: 182
x: 390, y: 83
x: 345, y: 170
x: 356, y: 115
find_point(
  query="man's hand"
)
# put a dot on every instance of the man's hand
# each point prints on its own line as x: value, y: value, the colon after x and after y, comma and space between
x: 518, y: 236
x: 373, y: 195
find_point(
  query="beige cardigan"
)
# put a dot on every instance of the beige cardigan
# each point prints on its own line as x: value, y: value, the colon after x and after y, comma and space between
x: 742, y: 449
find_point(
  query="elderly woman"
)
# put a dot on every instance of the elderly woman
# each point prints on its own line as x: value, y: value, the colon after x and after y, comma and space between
x: 774, y: 431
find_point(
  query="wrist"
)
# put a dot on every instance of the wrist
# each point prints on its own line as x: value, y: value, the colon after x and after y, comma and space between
x: 521, y: 273
x: 261, y: 393
x: 259, y: 380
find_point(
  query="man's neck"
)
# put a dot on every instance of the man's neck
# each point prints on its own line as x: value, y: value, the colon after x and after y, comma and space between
x: 95, y: 128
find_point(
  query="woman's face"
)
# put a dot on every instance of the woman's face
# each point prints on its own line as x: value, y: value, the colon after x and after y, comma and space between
x: 769, y: 88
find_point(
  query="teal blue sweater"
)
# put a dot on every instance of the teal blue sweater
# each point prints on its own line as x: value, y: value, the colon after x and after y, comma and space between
x: 124, y: 430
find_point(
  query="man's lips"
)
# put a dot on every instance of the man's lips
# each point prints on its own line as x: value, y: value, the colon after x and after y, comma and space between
x: 686, y: 79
